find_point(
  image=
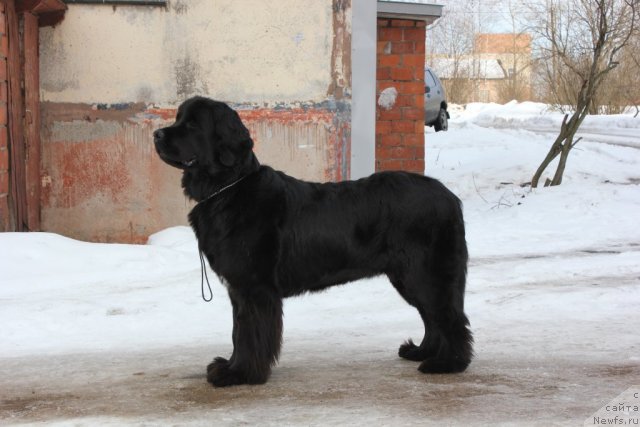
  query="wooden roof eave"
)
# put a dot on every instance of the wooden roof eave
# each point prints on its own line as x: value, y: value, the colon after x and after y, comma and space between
x: 49, y: 12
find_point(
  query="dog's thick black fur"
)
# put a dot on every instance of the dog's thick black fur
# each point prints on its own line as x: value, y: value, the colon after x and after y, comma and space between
x: 269, y: 236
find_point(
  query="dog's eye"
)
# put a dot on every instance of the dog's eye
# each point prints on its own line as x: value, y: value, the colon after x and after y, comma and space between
x: 191, y: 125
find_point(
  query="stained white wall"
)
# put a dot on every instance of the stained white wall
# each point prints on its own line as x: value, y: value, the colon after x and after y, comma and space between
x: 239, y: 51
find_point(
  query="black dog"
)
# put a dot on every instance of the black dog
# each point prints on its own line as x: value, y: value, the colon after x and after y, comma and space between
x: 269, y: 236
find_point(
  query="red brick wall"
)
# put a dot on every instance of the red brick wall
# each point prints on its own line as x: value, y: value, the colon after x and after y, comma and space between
x: 4, y: 149
x: 400, y: 64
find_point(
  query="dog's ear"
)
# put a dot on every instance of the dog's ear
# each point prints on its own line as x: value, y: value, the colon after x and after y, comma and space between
x: 235, y: 143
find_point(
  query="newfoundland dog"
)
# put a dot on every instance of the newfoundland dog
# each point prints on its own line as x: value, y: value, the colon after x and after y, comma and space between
x: 269, y: 236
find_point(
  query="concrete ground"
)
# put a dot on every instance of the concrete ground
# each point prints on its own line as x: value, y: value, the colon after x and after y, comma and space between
x: 168, y: 386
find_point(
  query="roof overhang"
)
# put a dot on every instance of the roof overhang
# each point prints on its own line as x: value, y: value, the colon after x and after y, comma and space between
x: 49, y: 12
x: 413, y: 11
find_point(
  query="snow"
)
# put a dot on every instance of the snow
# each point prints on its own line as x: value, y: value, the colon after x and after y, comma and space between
x: 387, y: 98
x: 553, y: 292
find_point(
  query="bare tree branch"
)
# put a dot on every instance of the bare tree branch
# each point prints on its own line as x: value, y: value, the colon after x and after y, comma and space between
x: 586, y: 39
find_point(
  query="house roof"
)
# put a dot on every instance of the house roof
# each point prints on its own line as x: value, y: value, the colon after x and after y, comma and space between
x: 467, y: 67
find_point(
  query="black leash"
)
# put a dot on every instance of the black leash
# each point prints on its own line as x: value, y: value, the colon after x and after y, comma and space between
x: 203, y: 275
x: 203, y: 265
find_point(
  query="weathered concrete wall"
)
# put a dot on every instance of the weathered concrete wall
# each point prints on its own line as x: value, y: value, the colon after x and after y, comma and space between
x: 110, y: 76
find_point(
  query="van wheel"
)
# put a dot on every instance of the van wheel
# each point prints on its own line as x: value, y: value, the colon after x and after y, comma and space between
x: 441, y: 123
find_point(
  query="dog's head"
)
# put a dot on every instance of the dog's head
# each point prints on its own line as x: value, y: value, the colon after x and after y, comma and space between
x: 207, y: 135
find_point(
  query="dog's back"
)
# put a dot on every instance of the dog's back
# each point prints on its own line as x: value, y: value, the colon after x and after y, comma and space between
x: 339, y: 232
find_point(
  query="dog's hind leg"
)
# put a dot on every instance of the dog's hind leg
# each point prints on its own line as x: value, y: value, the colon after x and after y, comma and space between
x: 440, y: 289
x: 433, y: 281
x: 447, y: 343
x: 257, y: 338
x: 409, y: 350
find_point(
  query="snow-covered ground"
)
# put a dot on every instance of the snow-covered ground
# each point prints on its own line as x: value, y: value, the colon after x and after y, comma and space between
x: 118, y: 334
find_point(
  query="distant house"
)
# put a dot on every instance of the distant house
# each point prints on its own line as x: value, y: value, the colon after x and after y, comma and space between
x: 498, y: 70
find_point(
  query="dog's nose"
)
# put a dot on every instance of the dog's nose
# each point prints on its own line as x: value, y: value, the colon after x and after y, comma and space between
x: 158, y: 135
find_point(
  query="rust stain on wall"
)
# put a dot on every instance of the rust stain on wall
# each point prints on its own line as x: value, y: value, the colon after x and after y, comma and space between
x: 295, y: 141
x: 99, y: 180
x: 340, y: 91
x: 340, y: 86
x: 92, y: 169
x: 286, y: 116
x: 102, y: 180
x: 66, y: 111
x: 310, y: 144
x: 162, y: 113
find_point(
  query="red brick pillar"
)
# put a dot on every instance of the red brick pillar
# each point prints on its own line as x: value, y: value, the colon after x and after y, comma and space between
x: 400, y: 95
x: 5, y: 222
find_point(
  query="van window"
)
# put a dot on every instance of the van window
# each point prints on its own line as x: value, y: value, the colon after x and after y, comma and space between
x: 429, y: 80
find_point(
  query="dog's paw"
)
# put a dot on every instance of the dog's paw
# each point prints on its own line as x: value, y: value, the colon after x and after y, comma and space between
x: 216, y: 362
x: 436, y: 365
x: 410, y: 351
x: 220, y: 374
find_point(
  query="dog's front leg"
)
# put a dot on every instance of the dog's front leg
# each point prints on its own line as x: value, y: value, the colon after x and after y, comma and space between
x: 257, y: 338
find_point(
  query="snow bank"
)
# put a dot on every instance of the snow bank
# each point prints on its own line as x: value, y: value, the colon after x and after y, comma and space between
x: 535, y: 116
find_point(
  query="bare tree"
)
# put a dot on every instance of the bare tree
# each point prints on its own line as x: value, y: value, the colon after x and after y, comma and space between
x: 517, y: 84
x: 583, y: 41
x: 620, y: 89
x: 635, y: 58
